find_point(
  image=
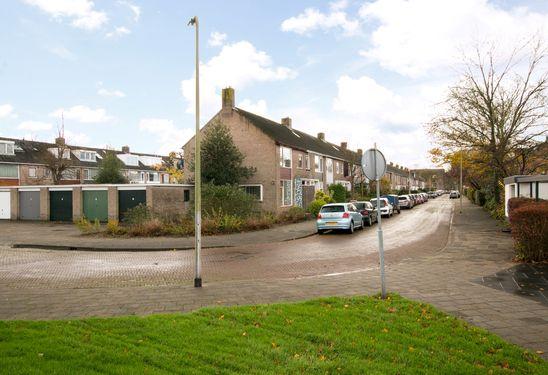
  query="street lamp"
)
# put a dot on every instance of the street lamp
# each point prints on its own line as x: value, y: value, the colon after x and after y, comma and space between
x: 197, y: 172
x: 460, y: 195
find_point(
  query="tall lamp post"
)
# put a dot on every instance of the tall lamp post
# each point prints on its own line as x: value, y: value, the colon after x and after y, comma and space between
x: 460, y: 195
x: 197, y: 171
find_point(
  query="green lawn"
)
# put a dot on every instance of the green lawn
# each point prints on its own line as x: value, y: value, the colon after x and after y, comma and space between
x: 331, y: 335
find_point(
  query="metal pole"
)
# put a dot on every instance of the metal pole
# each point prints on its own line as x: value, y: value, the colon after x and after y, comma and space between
x: 197, y: 173
x: 379, y: 227
x: 460, y: 195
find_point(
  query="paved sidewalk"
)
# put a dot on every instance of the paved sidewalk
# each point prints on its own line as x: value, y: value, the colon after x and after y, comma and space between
x: 49, y: 235
x: 476, y: 247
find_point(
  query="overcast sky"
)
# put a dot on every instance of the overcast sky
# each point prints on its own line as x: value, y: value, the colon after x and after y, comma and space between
x: 360, y: 71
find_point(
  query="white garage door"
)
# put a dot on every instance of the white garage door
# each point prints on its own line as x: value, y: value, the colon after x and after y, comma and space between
x: 5, y: 205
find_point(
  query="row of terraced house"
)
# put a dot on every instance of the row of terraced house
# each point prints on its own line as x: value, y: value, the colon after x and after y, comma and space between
x: 291, y: 165
x: 25, y: 162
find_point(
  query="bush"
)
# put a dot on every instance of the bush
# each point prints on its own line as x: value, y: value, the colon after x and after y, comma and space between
x: 227, y: 200
x: 315, y: 207
x: 515, y: 203
x: 471, y: 194
x: 338, y: 193
x: 294, y: 215
x: 149, y: 228
x: 320, y: 195
x: 138, y: 215
x: 479, y: 198
x: 87, y: 226
x: 530, y: 231
x: 114, y: 228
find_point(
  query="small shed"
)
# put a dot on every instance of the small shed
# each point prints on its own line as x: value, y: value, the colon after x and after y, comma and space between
x: 5, y: 205
x: 534, y: 186
x: 130, y: 197
x: 60, y: 200
x: 29, y: 204
x: 95, y: 203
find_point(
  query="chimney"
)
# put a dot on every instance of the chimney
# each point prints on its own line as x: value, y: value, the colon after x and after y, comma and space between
x: 228, y: 98
x: 286, y: 121
x: 344, y: 145
x: 321, y: 136
x: 60, y: 141
x: 125, y: 149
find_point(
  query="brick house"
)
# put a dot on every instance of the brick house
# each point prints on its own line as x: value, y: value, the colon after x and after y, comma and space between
x: 291, y: 165
x: 22, y: 162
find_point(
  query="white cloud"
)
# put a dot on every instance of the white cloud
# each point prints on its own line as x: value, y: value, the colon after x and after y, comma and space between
x: 165, y: 133
x: 77, y: 139
x: 216, y: 39
x: 312, y: 19
x: 259, y: 107
x: 6, y: 110
x: 418, y: 38
x: 118, y: 32
x: 134, y: 8
x: 35, y: 126
x: 63, y: 53
x: 111, y: 93
x: 82, y: 113
x: 81, y: 12
x: 237, y: 65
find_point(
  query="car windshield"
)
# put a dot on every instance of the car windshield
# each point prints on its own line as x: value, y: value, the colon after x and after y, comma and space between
x: 374, y: 203
x: 332, y: 209
x: 360, y: 206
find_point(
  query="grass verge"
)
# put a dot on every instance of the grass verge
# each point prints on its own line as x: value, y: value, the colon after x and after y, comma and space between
x: 330, y: 335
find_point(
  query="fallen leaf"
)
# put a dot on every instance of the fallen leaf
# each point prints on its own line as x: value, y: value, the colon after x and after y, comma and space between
x: 221, y: 317
x: 244, y: 334
x: 40, y: 354
x: 385, y: 330
x: 274, y: 345
x: 539, y: 352
x: 322, y: 357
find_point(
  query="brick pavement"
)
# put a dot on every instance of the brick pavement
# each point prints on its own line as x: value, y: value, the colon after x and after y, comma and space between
x: 476, y: 247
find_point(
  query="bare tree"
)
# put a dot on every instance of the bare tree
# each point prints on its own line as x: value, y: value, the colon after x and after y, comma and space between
x: 57, y: 159
x: 498, y: 112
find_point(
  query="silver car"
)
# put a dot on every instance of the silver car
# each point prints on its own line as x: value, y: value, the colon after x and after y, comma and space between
x: 343, y: 216
x: 405, y: 201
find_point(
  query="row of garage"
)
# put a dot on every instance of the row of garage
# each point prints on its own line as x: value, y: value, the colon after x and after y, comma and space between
x: 92, y: 202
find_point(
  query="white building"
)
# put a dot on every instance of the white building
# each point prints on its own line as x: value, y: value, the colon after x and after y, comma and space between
x: 525, y: 186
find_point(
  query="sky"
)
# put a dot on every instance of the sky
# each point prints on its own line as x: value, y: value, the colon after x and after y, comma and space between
x: 122, y: 72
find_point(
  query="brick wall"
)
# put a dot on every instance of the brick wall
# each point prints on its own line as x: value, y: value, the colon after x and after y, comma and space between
x: 167, y: 200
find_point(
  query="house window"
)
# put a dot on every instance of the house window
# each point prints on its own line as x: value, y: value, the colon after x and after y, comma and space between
x: 165, y: 178
x: 186, y: 195
x: 285, y: 157
x: 6, y: 148
x: 152, y: 177
x: 285, y: 192
x: 254, y: 190
x: 337, y: 167
x: 90, y: 174
x: 9, y: 171
x: 300, y: 161
x: 318, y: 163
x: 87, y: 156
x: 307, y: 161
x: 32, y: 172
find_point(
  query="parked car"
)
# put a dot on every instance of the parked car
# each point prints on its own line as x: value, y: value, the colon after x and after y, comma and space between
x: 454, y: 194
x: 418, y: 199
x: 394, y: 201
x: 368, y: 212
x: 385, y: 209
x: 406, y: 201
x: 432, y: 195
x: 424, y: 196
x: 343, y: 216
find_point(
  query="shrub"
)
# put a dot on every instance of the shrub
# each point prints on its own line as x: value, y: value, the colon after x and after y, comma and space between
x: 230, y: 224
x: 149, y: 228
x: 530, y: 231
x: 471, y: 194
x: 138, y: 215
x: 114, y: 228
x: 228, y: 200
x: 315, y: 207
x: 338, y: 193
x: 515, y: 203
x: 320, y: 195
x: 479, y: 198
x: 263, y: 221
x: 293, y: 215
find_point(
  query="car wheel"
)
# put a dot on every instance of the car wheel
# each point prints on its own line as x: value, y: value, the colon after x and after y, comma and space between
x: 321, y: 231
x: 351, y: 227
x: 370, y: 222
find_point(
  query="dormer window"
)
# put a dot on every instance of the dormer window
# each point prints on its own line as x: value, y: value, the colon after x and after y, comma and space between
x: 87, y: 155
x: 7, y: 148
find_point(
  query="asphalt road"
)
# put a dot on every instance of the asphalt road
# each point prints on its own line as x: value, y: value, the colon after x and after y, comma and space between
x: 424, y: 229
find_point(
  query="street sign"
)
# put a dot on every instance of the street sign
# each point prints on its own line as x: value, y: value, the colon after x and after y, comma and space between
x: 374, y: 167
x: 373, y: 164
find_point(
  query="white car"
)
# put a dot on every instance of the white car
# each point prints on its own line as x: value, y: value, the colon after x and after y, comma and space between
x: 405, y: 201
x: 454, y: 194
x: 386, y: 209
